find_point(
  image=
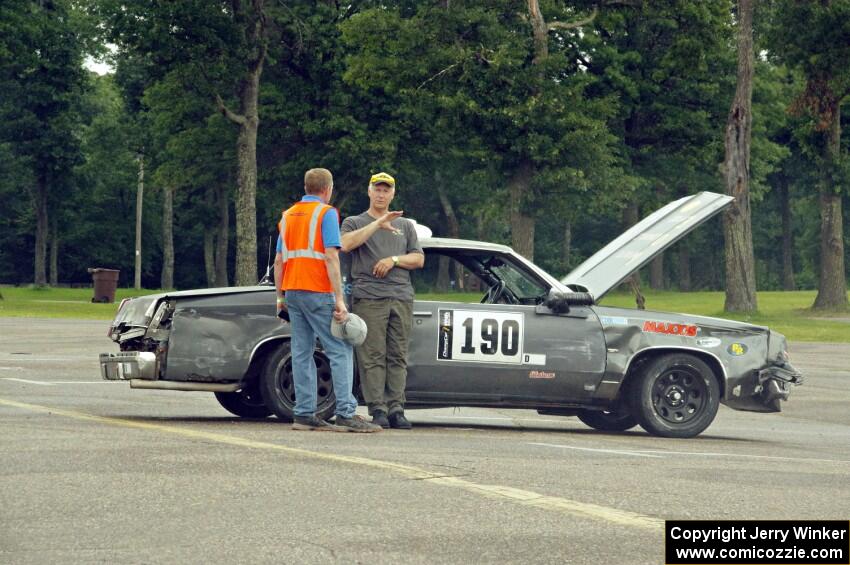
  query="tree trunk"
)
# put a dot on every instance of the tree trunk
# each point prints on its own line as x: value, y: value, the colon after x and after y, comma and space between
x: 253, y: 19
x: 631, y: 213
x: 630, y: 218
x: 209, y: 254
x: 140, y: 191
x: 41, y: 231
x: 246, y: 206
x: 222, y: 238
x: 737, y: 221
x: 443, y: 275
x: 567, y: 249
x: 656, y: 273
x: 54, y: 251
x: 684, y: 268
x: 448, y: 210
x: 167, y: 278
x: 832, y: 287
x: 634, y: 286
x: 522, y: 223
x: 540, y: 32
x: 788, y: 282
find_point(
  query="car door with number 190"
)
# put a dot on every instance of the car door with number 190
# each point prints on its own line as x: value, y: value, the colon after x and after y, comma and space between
x: 489, y: 352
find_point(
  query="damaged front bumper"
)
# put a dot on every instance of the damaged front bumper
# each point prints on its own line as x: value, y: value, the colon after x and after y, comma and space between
x: 774, y: 384
x: 129, y: 365
x: 763, y: 389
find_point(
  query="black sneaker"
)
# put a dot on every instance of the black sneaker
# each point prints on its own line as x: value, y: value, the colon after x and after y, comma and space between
x: 379, y: 418
x: 399, y: 422
x: 307, y: 423
x: 355, y: 424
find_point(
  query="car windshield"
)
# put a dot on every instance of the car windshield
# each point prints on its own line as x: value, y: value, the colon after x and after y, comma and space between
x: 517, y: 281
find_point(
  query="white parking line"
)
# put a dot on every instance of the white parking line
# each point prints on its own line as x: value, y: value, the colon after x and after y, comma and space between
x: 19, y: 358
x: 52, y: 383
x: 26, y: 381
x: 748, y: 456
x: 616, y: 451
x: 660, y: 454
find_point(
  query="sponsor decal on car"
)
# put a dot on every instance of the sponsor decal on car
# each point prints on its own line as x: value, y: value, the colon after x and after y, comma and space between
x: 541, y: 375
x: 444, y: 343
x: 737, y: 349
x: 614, y: 321
x: 708, y: 341
x: 670, y: 328
x: 482, y: 337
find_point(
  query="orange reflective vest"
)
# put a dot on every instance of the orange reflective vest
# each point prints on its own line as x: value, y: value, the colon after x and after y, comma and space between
x: 303, y: 250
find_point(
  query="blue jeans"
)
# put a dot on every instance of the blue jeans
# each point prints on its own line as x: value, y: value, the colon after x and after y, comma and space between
x: 310, y: 315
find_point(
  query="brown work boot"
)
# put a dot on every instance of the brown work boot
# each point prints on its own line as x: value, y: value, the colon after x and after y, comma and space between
x: 310, y: 423
x: 355, y: 424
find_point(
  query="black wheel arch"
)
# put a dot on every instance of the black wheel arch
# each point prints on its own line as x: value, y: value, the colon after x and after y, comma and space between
x: 262, y: 351
x: 647, y: 355
x: 258, y: 357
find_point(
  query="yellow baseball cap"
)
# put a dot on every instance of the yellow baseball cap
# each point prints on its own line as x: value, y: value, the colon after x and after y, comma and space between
x: 382, y: 178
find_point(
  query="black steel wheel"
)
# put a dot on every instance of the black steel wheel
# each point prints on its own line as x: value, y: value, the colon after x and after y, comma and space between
x: 278, y: 388
x: 676, y: 395
x: 617, y: 421
x: 246, y: 403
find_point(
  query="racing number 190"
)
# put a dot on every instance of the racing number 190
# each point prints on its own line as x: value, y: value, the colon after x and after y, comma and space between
x: 490, y: 337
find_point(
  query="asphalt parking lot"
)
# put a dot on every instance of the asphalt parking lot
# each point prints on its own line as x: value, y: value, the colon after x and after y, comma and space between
x: 94, y: 472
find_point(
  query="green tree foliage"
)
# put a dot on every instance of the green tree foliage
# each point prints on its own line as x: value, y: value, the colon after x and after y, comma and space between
x: 815, y: 38
x: 465, y: 73
x: 224, y: 46
x: 192, y: 156
x: 534, y: 123
x: 102, y: 233
x: 41, y: 78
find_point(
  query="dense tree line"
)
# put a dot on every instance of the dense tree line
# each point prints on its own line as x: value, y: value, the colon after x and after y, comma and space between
x: 548, y: 125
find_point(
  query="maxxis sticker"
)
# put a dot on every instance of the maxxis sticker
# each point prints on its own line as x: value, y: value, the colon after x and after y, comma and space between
x: 480, y: 336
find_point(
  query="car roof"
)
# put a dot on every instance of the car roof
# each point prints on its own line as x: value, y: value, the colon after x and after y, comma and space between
x: 450, y: 243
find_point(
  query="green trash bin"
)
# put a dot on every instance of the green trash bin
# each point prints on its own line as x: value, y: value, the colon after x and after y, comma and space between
x: 105, y: 282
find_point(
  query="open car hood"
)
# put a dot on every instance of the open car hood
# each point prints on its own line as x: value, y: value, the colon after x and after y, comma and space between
x: 641, y: 243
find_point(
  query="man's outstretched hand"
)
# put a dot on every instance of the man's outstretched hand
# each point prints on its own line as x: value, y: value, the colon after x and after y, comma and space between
x: 385, y: 221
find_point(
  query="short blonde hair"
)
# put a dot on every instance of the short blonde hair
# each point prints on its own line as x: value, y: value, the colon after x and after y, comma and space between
x: 317, y: 180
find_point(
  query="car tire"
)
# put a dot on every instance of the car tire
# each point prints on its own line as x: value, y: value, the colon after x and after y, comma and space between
x: 608, y: 421
x: 675, y: 395
x: 278, y: 387
x: 247, y: 403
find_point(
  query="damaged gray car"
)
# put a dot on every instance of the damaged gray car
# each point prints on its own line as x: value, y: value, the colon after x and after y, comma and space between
x: 510, y: 336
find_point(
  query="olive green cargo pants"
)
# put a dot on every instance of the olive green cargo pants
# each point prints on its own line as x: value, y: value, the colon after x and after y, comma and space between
x: 382, y: 358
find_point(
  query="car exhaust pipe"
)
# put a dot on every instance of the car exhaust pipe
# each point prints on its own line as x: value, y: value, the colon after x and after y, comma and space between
x: 174, y: 385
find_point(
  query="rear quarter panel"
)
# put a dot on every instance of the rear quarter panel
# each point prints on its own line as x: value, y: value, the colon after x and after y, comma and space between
x: 213, y: 337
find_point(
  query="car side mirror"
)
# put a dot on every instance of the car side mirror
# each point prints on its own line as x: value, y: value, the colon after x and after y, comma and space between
x: 556, y: 302
x: 560, y: 302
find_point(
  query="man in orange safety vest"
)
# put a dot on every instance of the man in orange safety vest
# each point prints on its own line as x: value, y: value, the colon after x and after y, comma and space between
x: 309, y: 287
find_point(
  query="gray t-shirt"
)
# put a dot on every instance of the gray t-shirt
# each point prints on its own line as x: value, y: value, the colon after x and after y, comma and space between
x: 383, y: 243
